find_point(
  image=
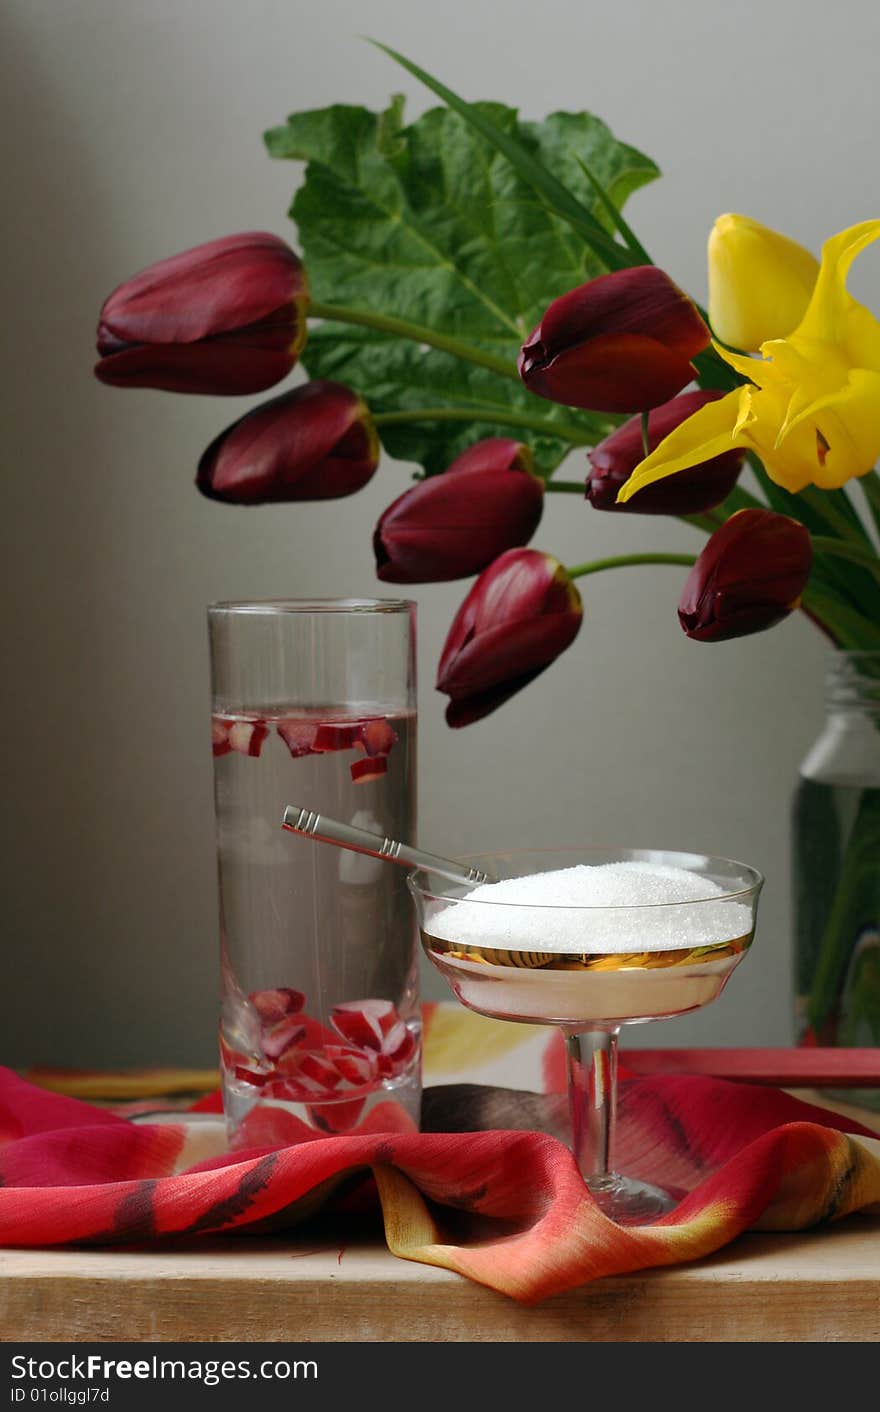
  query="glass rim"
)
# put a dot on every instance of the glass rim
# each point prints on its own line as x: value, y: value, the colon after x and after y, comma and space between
x: 269, y: 606
x: 751, y: 889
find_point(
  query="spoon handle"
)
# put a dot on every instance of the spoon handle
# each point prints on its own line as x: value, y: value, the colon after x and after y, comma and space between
x: 324, y: 830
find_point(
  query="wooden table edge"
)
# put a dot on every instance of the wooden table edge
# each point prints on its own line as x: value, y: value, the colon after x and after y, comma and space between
x: 821, y: 1286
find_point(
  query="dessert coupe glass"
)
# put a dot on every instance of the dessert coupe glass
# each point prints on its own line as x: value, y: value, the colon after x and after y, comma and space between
x: 590, y: 970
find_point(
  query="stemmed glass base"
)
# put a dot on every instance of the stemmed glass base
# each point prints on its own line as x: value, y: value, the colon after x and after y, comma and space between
x: 592, y: 1093
x: 627, y: 1201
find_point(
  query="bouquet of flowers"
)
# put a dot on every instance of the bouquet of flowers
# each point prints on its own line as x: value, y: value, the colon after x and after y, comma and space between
x: 471, y: 298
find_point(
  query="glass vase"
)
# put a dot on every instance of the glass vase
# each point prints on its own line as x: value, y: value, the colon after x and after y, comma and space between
x: 314, y: 705
x: 836, y: 867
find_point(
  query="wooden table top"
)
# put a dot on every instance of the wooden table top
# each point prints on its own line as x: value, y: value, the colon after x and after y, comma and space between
x: 821, y: 1286
x: 816, y: 1286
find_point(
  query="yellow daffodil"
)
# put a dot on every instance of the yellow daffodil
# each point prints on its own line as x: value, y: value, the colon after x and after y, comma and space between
x: 811, y: 407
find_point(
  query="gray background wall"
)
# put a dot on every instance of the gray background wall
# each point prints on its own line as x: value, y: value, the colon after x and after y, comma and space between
x: 132, y: 131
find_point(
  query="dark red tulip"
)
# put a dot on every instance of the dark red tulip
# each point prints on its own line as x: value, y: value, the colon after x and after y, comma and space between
x: 494, y: 453
x: 520, y: 614
x: 453, y: 525
x: 226, y: 317
x: 750, y: 576
x: 621, y: 343
x: 690, y: 492
x: 315, y: 443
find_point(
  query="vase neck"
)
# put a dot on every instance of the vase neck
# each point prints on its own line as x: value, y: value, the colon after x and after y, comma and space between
x: 852, y: 684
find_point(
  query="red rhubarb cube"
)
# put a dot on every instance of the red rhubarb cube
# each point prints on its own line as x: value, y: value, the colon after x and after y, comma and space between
x: 376, y: 737
x: 362, y: 771
x: 274, y: 1005
x: 319, y: 1068
x: 398, y: 1053
x: 365, y: 1023
x: 220, y: 736
x: 298, y: 736
x: 247, y: 736
x: 332, y: 736
x: 356, y: 1066
x: 277, y: 1039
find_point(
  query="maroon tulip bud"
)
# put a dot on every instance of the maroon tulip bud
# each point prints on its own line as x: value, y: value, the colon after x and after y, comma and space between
x: 453, y: 525
x: 520, y: 614
x: 750, y: 576
x: 621, y: 343
x: 315, y: 443
x: 226, y: 317
x: 689, y: 492
x: 494, y: 453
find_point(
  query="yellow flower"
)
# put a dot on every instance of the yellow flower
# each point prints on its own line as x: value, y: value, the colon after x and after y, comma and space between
x: 811, y: 408
x: 760, y: 282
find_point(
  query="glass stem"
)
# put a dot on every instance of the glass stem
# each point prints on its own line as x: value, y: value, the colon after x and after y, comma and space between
x: 592, y: 1097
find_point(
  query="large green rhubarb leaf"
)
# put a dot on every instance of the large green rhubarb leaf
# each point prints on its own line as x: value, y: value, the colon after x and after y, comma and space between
x: 430, y: 224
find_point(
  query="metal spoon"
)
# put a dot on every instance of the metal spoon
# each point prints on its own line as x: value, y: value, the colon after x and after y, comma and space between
x: 324, y: 830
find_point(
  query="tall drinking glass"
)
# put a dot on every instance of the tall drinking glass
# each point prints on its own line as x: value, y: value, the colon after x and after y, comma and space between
x: 314, y: 701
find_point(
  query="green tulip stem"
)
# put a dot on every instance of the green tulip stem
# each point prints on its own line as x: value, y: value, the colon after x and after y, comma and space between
x: 501, y: 416
x: 840, y: 549
x: 871, y: 487
x: 621, y: 561
x: 646, y: 443
x: 846, y: 627
x: 847, y: 525
x: 416, y: 333
x: 567, y: 487
x: 707, y: 522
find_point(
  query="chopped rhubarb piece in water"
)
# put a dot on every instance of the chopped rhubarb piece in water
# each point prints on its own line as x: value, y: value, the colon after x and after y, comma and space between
x: 298, y: 736
x: 220, y: 736
x: 249, y: 1076
x: 330, y: 736
x: 356, y: 1066
x: 393, y: 1060
x: 316, y: 1068
x: 247, y: 736
x: 365, y: 1023
x: 273, y: 1005
x: 376, y: 737
x: 375, y: 1026
x: 240, y: 1065
x: 362, y: 771
x: 290, y: 1083
x: 277, y: 1039
x: 310, y: 1073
